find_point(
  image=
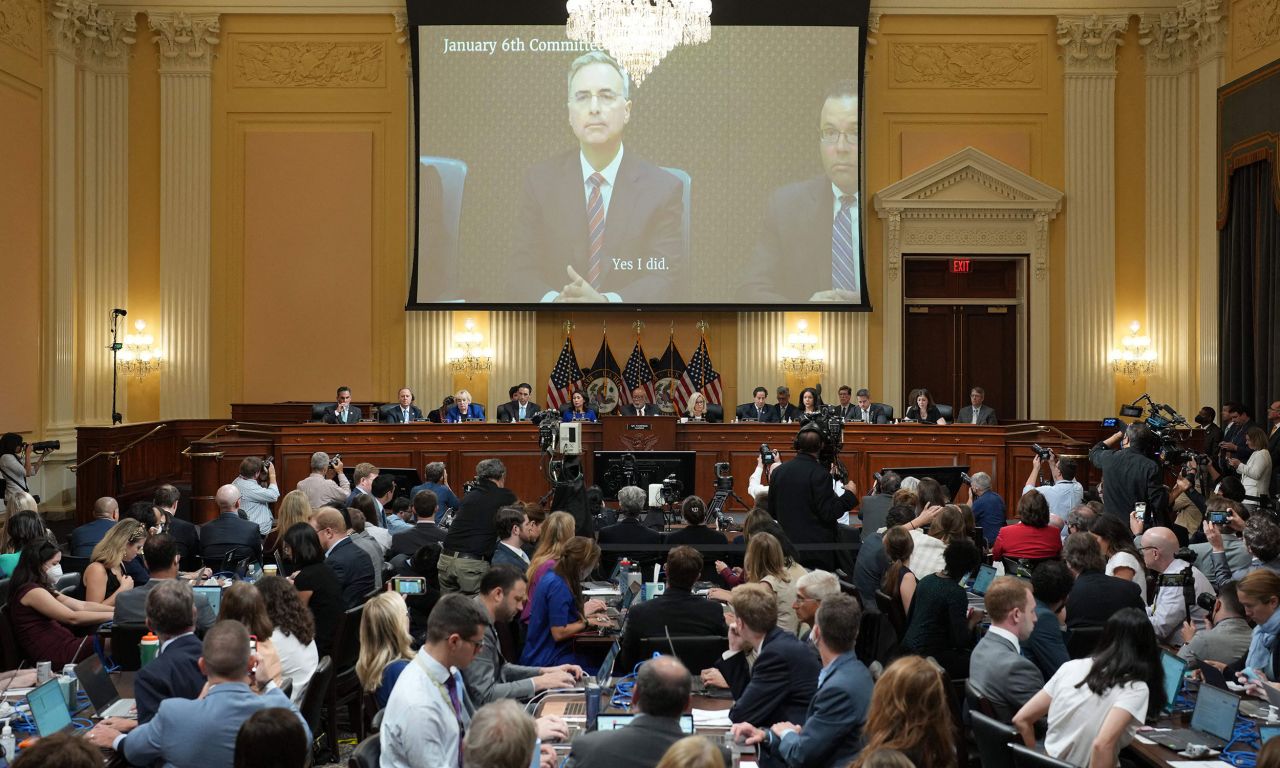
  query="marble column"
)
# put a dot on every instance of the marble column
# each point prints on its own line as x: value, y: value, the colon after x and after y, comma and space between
x: 427, y: 341
x: 514, y: 337
x: 186, y: 45
x: 760, y: 337
x: 1089, y: 53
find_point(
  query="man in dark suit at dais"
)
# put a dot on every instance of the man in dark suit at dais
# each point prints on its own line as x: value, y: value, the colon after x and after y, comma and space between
x: 597, y: 223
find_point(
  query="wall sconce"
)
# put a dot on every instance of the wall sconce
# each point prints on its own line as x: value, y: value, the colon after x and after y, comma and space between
x: 138, y: 357
x: 802, y: 356
x: 1135, y: 357
x: 467, y: 355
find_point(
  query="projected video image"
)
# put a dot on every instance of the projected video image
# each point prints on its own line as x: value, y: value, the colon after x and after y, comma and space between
x: 730, y: 176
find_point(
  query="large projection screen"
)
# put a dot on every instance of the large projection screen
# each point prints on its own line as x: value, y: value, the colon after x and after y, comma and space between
x: 721, y: 188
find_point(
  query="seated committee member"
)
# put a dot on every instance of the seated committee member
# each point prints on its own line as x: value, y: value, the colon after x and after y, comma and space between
x: 866, y: 411
x: 576, y: 409
x: 640, y: 405
x: 463, y: 409
x: 342, y: 412
x: 676, y: 612
x: 976, y: 412
x: 784, y: 409
x: 436, y: 415
x: 923, y: 410
x: 757, y: 409
x: 597, y: 223
x: 520, y: 408
x: 406, y: 411
x: 811, y: 228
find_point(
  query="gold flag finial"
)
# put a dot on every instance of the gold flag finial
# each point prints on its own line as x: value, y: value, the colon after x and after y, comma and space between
x: 702, y: 327
x: 568, y: 327
x: 638, y: 325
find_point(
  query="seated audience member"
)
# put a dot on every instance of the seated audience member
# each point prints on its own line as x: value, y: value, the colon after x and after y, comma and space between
x: 558, y: 611
x: 693, y: 752
x: 628, y: 530
x: 1122, y: 558
x: 383, y: 491
x: 400, y: 516
x: 1046, y: 647
x: 988, y: 507
x: 1031, y: 539
x: 536, y: 516
x: 385, y: 646
x: 1169, y: 608
x: 352, y: 565
x: 922, y: 409
x: 463, y: 409
x: 1094, y: 596
x: 423, y: 531
x: 294, y: 508
x: 811, y: 589
x: 938, y: 624
x: 510, y: 524
x: 1237, y: 515
x: 696, y: 533
x: 362, y: 480
x: 327, y: 485
x: 243, y: 602
x: 831, y: 733
x: 272, y: 738
x: 421, y: 727
x: 946, y: 524
x: 910, y: 714
x: 1095, y: 705
x: 677, y: 612
x: 161, y: 553
x: 317, y: 584
x: 661, y: 697
x: 1261, y: 540
x: 872, y: 562
x: 41, y: 617
x: 229, y: 534
x: 22, y: 528
x: 766, y: 564
x: 106, y: 511
x: 781, y: 683
x: 998, y: 670
x: 556, y: 532
x: 503, y: 591
x: 358, y: 531
x: 293, y: 632
x: 899, y: 582
x: 203, y: 731
x: 150, y: 518
x: 501, y: 735
x: 254, y: 496
x: 1080, y: 518
x: 1226, y: 640
x: 874, y: 506
x: 1259, y: 594
x: 61, y: 750
x: 175, y: 672
x: 105, y: 576
x: 436, y: 480
x: 756, y: 521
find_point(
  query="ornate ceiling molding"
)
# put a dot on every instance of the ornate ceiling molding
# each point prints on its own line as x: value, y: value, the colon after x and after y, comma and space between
x: 187, y: 42
x: 1089, y: 42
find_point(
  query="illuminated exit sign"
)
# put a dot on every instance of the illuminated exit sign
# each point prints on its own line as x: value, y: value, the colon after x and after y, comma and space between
x: 960, y: 266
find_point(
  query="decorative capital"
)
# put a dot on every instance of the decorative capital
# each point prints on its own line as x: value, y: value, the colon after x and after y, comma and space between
x: 109, y: 40
x: 1089, y: 42
x: 1165, y: 40
x: 873, y: 27
x: 1207, y: 27
x: 402, y: 27
x: 187, y: 42
x: 67, y: 22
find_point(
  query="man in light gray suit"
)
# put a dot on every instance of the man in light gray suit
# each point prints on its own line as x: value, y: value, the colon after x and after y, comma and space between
x: 997, y: 670
x: 976, y: 412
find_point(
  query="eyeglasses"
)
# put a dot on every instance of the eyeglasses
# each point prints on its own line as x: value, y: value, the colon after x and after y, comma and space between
x: 477, y: 644
x: 802, y: 599
x: 831, y: 136
x: 605, y: 98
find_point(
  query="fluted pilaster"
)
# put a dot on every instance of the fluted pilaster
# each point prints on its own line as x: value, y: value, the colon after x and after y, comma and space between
x: 1208, y: 27
x: 844, y: 337
x: 186, y: 44
x: 427, y: 340
x: 760, y: 335
x: 1089, y: 48
x: 515, y: 342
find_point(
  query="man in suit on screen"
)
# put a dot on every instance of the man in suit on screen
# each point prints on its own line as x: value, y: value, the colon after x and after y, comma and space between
x: 597, y: 223
x: 810, y: 248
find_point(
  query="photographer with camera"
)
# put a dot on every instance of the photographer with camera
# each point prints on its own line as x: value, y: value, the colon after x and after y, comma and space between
x: 254, y: 496
x: 16, y: 464
x: 802, y: 500
x: 1168, y: 612
x: 1063, y: 492
x: 470, y: 542
x: 1228, y: 518
x: 1227, y: 637
x: 1261, y: 537
x: 1131, y: 475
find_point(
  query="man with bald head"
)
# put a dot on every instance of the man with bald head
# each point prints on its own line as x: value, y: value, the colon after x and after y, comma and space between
x: 106, y: 511
x: 229, y: 533
x: 352, y: 565
x: 662, y: 696
x: 1168, y: 611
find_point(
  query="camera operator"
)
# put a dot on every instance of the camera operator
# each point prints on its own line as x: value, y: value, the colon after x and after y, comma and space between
x: 1168, y: 611
x: 1261, y: 538
x: 1131, y: 475
x: 1227, y: 637
x: 16, y: 466
x: 1231, y: 517
x: 470, y: 542
x: 1065, y: 492
x: 802, y: 500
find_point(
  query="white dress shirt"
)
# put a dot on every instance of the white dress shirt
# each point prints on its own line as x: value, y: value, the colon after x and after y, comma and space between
x: 419, y: 727
x: 1168, y: 611
x: 254, y: 500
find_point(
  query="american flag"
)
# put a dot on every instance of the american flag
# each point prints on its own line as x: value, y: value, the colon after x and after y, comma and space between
x: 700, y: 376
x: 638, y: 373
x: 565, y: 377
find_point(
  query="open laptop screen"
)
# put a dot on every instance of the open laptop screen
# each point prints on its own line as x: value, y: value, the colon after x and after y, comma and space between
x: 1215, y: 712
x: 49, y: 708
x: 213, y: 593
x: 1174, y: 669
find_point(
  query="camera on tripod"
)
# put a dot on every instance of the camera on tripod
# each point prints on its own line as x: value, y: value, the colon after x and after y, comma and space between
x: 548, y: 422
x: 724, y: 480
x: 672, y: 489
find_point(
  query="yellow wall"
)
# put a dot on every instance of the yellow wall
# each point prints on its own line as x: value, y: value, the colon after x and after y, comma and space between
x: 144, y: 210
x: 1131, y: 147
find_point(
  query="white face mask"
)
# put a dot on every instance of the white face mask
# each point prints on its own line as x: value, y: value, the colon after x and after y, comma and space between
x: 53, y: 573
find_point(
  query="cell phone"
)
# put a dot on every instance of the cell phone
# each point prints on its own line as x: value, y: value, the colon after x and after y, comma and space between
x: 253, y: 650
x: 1219, y: 518
x: 1111, y: 423
x: 409, y: 585
x: 1252, y: 674
x: 1140, y: 510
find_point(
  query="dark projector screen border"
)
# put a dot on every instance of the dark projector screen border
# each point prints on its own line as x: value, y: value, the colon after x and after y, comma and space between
x: 729, y: 198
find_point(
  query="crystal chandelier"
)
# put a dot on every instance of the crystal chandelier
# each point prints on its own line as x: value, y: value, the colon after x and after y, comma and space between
x: 802, y: 356
x: 639, y: 33
x: 1135, y: 358
x: 467, y: 355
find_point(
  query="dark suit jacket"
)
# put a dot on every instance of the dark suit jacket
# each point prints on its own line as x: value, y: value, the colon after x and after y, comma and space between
x: 504, y: 556
x: 354, y: 570
x: 1130, y: 477
x: 790, y: 412
x: 473, y: 528
x: 627, y: 531
x: 803, y: 502
x: 832, y: 732
x: 713, y: 415
x: 410, y: 541
x: 872, y: 511
x: 793, y: 257
x: 186, y: 535
x: 1096, y: 596
x: 854, y: 413
x: 696, y: 536
x: 639, y: 745
x: 676, y: 611
x: 748, y: 411
x: 393, y: 414
x: 644, y: 221
x: 930, y: 417
x: 331, y: 416
x: 173, y: 674
x: 85, y: 537
x: 986, y: 415
x: 226, y: 533
x: 780, y: 685
x: 650, y: 409
x: 1002, y: 675
x: 510, y: 411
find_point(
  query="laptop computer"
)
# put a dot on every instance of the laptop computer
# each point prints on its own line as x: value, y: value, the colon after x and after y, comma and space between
x: 573, y: 706
x: 49, y: 709
x: 212, y: 593
x: 614, y: 722
x: 982, y: 582
x: 1175, y: 670
x: 102, y: 693
x: 1212, y: 723
x: 1268, y: 732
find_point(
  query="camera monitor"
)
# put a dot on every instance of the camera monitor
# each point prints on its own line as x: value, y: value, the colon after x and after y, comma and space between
x: 613, y: 470
x: 949, y: 477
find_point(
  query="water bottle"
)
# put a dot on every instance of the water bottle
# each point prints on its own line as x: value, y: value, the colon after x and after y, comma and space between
x: 148, y: 649
x: 593, y: 704
x: 7, y: 743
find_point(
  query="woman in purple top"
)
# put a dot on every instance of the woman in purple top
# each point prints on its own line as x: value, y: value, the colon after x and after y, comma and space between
x: 558, y: 610
x: 40, y: 616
